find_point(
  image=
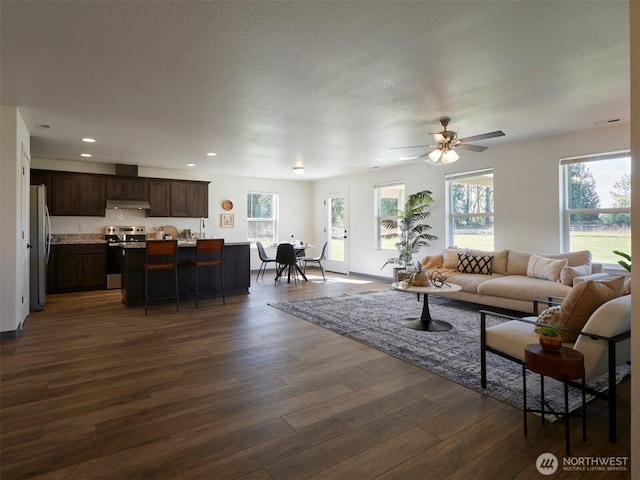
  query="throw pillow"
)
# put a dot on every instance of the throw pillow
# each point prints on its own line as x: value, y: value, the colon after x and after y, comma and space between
x: 583, y: 300
x: 432, y: 261
x: 567, y: 274
x: 473, y: 264
x: 545, y: 268
x: 450, y: 258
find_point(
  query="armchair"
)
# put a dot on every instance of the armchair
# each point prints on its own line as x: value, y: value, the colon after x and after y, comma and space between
x: 604, y: 341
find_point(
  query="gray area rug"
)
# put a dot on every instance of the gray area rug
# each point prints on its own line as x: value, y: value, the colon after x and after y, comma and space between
x: 373, y: 318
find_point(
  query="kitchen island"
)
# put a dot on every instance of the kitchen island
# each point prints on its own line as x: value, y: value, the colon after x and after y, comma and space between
x: 236, y: 272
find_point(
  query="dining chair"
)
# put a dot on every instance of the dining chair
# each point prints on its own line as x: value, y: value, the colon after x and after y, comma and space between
x: 317, y: 260
x: 287, y: 260
x: 209, y: 254
x: 160, y: 255
x: 264, y: 258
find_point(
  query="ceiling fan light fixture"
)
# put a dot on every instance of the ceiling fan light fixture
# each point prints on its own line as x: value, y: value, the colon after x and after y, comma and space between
x: 435, y: 155
x: 449, y: 156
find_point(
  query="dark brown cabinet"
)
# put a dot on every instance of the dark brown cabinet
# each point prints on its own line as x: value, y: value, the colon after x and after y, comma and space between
x: 86, y: 194
x: 189, y: 199
x: 160, y: 198
x: 76, y: 268
x: 127, y: 188
x: 78, y: 194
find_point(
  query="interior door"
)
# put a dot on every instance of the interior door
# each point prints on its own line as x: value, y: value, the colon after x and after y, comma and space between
x: 336, y: 206
x: 24, y: 234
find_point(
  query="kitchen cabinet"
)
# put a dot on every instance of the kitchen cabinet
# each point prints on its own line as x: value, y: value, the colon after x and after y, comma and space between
x: 43, y: 177
x: 159, y: 198
x: 76, y: 268
x: 78, y: 194
x: 127, y: 188
x: 189, y: 199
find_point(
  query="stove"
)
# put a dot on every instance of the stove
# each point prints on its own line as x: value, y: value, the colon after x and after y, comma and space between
x: 113, y: 236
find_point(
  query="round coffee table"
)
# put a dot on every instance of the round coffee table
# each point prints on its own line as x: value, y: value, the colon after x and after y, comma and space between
x: 425, y: 322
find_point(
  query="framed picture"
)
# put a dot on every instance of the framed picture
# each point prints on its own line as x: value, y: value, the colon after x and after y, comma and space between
x: 226, y: 220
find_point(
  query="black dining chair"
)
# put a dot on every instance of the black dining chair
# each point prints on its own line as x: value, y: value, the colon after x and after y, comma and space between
x: 317, y: 260
x: 264, y: 258
x: 287, y: 260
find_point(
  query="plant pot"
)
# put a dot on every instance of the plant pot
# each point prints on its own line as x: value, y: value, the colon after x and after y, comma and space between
x: 420, y: 279
x: 552, y: 344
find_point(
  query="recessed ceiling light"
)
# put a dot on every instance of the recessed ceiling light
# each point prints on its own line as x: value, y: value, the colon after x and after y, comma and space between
x: 89, y: 140
x: 298, y: 170
x: 211, y: 154
x: 87, y: 155
x: 191, y: 164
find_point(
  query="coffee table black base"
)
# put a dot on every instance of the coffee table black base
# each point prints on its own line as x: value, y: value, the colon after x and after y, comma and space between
x: 430, y: 326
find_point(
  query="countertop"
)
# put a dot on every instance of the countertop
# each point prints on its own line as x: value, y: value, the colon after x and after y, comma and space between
x: 181, y: 243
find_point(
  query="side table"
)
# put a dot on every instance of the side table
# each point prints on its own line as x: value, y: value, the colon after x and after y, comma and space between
x: 564, y: 364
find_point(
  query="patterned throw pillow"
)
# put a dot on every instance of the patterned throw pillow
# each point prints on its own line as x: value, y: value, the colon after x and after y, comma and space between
x: 548, y: 316
x: 474, y: 264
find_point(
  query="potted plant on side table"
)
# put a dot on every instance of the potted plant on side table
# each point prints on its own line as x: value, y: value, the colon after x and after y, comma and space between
x: 549, y: 337
x: 409, y: 229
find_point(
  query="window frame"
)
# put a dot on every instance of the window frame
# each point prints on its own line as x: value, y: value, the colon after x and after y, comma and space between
x: 450, y: 180
x: 565, y: 194
x: 377, y: 188
x: 274, y: 218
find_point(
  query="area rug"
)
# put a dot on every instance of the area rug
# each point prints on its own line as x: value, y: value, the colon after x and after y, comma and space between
x: 373, y: 318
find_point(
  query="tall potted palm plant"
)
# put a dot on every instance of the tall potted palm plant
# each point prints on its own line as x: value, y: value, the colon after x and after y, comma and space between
x: 409, y: 229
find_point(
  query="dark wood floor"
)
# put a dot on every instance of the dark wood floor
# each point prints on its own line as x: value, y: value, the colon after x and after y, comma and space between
x: 245, y: 391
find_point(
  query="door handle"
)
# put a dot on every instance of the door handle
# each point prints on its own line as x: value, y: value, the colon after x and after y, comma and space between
x: 29, y: 245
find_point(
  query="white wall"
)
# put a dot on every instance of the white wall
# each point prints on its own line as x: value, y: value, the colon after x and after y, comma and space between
x: 294, y: 198
x: 527, y: 193
x: 14, y: 136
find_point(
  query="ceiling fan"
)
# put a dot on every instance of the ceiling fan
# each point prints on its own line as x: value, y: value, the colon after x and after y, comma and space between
x: 447, y: 140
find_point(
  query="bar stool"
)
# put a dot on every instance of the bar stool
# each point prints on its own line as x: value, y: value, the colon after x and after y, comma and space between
x: 209, y: 253
x: 160, y: 255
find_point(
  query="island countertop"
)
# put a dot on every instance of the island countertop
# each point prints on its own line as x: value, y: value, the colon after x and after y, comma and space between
x: 181, y: 243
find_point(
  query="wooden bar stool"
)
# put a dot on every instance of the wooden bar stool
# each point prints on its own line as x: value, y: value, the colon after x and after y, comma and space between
x: 209, y: 253
x: 160, y: 255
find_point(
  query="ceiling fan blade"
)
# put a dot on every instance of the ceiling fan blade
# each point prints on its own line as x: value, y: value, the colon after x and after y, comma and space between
x: 473, y: 148
x: 438, y: 137
x: 413, y: 146
x: 484, y: 136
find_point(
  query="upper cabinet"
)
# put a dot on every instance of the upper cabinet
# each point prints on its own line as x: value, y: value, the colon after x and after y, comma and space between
x: 86, y: 194
x: 127, y: 188
x: 189, y: 199
x: 78, y: 194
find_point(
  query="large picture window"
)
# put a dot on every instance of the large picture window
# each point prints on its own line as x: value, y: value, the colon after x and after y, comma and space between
x: 470, y: 209
x: 597, y: 204
x: 390, y: 198
x: 262, y: 217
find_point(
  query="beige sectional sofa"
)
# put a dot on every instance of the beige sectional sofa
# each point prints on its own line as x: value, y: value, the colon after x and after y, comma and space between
x: 512, y: 279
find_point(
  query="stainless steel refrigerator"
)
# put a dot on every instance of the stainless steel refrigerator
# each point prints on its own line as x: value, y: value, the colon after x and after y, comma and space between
x: 40, y: 244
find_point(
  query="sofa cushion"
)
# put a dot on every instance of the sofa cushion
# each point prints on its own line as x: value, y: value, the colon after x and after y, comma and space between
x: 520, y: 287
x: 517, y: 262
x: 545, y: 268
x: 468, y: 281
x: 583, y: 300
x: 579, y: 257
x: 499, y: 261
x: 474, y: 264
x: 567, y: 274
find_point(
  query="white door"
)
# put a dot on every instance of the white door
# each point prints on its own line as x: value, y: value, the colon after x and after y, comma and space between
x: 25, y: 197
x: 336, y: 206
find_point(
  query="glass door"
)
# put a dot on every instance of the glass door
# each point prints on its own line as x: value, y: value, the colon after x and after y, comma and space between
x: 336, y: 206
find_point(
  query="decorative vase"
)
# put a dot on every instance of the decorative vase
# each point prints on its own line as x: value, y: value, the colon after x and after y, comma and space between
x: 400, y: 273
x: 552, y: 344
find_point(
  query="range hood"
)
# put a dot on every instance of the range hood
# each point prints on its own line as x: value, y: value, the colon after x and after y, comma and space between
x: 129, y: 204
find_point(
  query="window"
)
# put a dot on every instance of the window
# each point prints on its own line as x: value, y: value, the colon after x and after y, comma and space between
x: 390, y: 198
x: 262, y: 217
x: 470, y: 209
x: 597, y: 204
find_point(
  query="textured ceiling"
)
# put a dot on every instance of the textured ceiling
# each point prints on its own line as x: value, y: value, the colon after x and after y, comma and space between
x: 328, y: 85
